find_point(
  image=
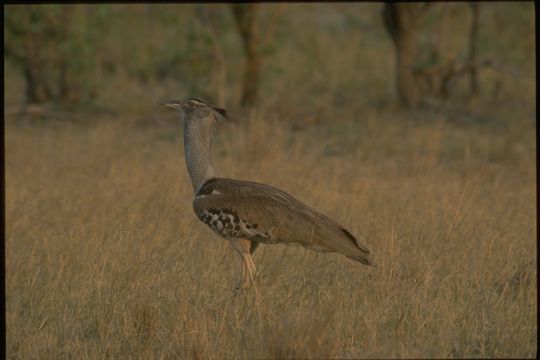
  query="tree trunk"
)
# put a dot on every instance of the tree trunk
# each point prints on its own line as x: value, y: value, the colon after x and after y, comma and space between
x: 70, y: 85
x: 244, y: 15
x: 401, y: 20
x: 210, y: 16
x: 473, y: 81
x: 37, y: 90
x: 63, y: 81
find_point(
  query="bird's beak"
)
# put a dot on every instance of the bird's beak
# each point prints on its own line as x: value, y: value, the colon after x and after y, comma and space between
x: 175, y: 104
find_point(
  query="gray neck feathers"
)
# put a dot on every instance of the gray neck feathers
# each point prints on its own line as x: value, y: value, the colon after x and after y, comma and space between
x: 197, y: 147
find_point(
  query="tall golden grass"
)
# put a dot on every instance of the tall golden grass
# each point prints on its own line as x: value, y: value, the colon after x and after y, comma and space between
x: 105, y: 257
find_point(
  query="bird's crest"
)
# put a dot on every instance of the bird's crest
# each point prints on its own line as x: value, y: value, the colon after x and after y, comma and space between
x: 194, y: 101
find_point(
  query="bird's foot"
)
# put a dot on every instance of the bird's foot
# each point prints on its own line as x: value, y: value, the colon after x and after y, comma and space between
x: 246, y: 284
x: 240, y: 287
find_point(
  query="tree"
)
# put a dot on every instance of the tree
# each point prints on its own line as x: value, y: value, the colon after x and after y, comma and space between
x: 54, y: 47
x: 432, y: 72
x: 245, y: 17
x: 210, y: 16
x: 26, y: 35
x: 401, y: 20
x: 473, y: 36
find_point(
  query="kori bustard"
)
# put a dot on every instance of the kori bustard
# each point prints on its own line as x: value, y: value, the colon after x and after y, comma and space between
x: 248, y: 213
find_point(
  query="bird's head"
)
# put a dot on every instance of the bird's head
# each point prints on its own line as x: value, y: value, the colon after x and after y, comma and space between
x: 196, y: 110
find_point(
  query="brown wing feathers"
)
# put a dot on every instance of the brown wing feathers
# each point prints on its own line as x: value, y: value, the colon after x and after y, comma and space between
x: 267, y: 214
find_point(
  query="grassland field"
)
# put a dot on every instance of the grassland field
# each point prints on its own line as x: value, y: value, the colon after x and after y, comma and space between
x: 106, y: 259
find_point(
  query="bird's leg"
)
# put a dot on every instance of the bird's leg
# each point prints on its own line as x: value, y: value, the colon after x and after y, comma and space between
x: 249, y: 271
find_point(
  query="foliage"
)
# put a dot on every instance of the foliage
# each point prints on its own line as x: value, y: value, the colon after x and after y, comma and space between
x: 55, y: 46
x: 111, y: 54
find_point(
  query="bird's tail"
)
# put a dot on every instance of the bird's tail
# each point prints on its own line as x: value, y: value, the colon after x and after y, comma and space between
x: 363, y: 254
x: 364, y: 259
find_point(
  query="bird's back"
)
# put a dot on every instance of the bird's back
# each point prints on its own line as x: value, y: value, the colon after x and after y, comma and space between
x: 259, y: 212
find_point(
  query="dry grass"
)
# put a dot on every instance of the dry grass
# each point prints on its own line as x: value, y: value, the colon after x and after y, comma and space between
x: 105, y: 257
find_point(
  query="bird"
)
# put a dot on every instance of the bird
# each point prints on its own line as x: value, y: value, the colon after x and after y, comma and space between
x: 248, y: 213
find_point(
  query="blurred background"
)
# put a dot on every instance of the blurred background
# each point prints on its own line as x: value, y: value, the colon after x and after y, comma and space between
x: 411, y: 124
x: 288, y: 57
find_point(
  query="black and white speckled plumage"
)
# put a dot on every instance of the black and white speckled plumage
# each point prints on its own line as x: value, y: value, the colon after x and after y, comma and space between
x: 262, y: 213
x: 226, y: 223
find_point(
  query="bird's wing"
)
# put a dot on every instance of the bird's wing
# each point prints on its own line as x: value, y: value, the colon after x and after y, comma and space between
x: 259, y: 212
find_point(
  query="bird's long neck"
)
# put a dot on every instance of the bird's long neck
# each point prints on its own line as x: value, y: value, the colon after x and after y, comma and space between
x: 197, y: 148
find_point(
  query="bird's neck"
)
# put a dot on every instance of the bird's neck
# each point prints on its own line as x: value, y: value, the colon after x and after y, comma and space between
x: 197, y: 149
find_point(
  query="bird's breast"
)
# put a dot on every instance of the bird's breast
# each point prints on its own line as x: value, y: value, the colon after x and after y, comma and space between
x: 227, y: 223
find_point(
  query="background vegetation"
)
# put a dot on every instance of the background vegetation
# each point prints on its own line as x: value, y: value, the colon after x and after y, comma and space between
x: 105, y: 257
